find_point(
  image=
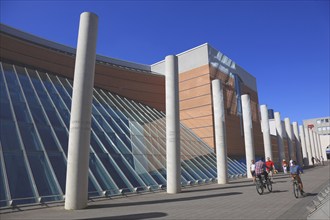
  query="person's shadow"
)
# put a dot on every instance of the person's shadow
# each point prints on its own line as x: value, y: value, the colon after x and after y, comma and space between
x: 309, y: 194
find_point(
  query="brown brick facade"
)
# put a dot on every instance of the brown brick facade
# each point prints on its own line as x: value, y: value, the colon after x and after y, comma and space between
x: 196, y: 110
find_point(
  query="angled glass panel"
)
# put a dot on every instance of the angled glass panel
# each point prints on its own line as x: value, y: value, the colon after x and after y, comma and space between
x: 5, y: 112
x: 63, y: 137
x: 59, y: 166
x: 113, y: 171
x: 121, y: 162
x: 19, y: 182
x: 43, y: 177
x: 26, y: 86
x: 8, y: 136
x: 100, y: 173
x: 136, y: 147
x: 29, y: 137
x: 57, y: 100
x: 12, y: 83
x: 3, y: 190
x: 47, y: 138
x: 21, y: 112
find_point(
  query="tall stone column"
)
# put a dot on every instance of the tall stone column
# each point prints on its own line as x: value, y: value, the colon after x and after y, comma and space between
x: 298, y: 143
x: 279, y: 133
x: 266, y: 131
x: 320, y: 145
x: 303, y: 145
x: 173, y: 151
x: 289, y: 135
x: 220, y: 131
x: 323, y: 153
x: 311, y: 137
x: 76, y: 195
x: 317, y: 148
x: 308, y: 145
x: 248, y: 132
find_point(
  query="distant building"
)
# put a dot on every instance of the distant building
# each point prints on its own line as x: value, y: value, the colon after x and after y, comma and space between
x: 322, y: 127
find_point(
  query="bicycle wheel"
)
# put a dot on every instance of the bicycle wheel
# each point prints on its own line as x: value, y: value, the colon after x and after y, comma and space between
x: 296, y: 190
x: 269, y: 185
x: 260, y: 187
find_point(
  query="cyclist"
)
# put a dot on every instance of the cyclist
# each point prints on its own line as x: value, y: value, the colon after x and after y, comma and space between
x: 295, y: 170
x: 260, y: 169
x: 270, y: 167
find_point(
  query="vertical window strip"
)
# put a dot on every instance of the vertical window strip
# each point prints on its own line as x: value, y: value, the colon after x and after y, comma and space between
x: 55, y: 183
x: 2, y: 161
x: 26, y: 163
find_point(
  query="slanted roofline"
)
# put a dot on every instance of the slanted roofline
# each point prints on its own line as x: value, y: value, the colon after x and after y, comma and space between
x: 193, y: 58
x: 69, y: 50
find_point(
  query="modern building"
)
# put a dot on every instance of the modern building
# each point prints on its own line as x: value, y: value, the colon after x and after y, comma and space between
x: 127, y: 149
x: 321, y: 126
x: 128, y: 138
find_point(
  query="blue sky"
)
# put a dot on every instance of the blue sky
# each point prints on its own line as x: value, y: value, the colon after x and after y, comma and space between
x: 284, y: 44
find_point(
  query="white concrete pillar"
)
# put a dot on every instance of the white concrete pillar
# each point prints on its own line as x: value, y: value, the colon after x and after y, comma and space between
x: 319, y: 143
x: 323, y: 151
x: 76, y: 194
x: 308, y: 145
x: 220, y: 131
x: 266, y: 131
x: 279, y: 133
x: 248, y: 132
x: 303, y: 145
x: 311, y: 137
x: 289, y: 136
x: 298, y: 143
x: 317, y: 150
x: 173, y: 157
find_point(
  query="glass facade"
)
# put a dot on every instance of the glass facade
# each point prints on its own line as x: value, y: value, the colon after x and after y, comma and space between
x: 127, y: 149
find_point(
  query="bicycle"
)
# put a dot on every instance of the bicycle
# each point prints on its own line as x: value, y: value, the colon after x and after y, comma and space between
x: 262, y: 183
x: 296, y: 188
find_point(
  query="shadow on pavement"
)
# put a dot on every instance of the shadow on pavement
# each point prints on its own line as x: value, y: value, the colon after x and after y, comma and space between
x: 309, y: 194
x: 147, y: 215
x: 218, y: 188
x: 279, y: 191
x: 281, y: 177
x: 160, y: 201
x: 282, y: 181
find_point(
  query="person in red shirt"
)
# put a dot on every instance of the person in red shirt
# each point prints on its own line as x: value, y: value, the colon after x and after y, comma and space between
x: 270, y: 167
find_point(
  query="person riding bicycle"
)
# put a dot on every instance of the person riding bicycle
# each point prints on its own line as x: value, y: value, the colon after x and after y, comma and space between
x: 260, y: 169
x: 270, y: 167
x: 295, y: 170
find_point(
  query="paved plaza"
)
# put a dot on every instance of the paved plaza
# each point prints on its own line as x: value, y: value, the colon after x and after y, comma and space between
x: 235, y: 200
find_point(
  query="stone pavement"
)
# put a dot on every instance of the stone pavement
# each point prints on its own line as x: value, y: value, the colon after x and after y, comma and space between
x: 235, y: 200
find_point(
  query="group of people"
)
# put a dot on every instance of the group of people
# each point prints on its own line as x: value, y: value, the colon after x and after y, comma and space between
x: 318, y: 161
x: 262, y: 168
x: 267, y: 168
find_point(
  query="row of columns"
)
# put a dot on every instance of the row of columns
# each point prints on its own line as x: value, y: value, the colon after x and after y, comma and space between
x: 307, y: 142
x: 311, y: 144
x: 80, y: 124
